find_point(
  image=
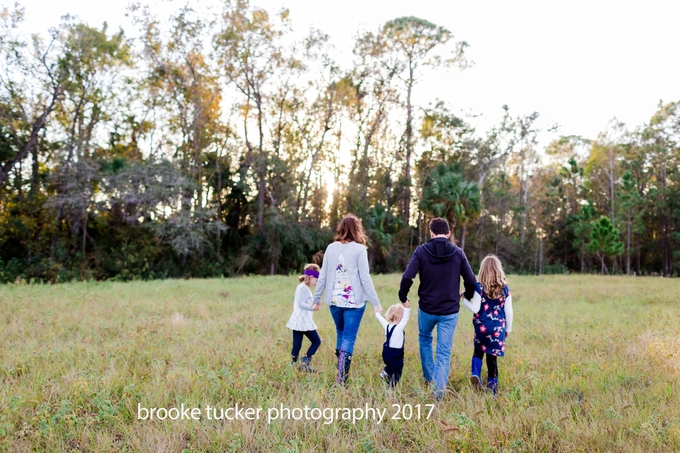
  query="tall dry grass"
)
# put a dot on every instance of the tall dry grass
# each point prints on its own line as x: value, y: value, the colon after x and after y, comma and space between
x: 592, y: 365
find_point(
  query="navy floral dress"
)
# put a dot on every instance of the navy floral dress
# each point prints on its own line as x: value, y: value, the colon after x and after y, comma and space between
x: 489, y: 323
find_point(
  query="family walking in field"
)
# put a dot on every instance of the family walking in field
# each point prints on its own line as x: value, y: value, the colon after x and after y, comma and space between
x: 345, y: 282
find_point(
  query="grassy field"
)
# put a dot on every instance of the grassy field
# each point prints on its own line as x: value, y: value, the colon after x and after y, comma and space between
x: 593, y: 364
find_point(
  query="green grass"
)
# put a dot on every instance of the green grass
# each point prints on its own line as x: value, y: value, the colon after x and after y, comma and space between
x: 592, y: 365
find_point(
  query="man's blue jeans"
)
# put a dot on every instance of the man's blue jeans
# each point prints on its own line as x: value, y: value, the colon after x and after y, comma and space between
x: 347, y: 321
x: 437, y: 372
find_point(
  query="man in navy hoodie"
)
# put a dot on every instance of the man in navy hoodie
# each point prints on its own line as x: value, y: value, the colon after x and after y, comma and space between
x: 440, y: 265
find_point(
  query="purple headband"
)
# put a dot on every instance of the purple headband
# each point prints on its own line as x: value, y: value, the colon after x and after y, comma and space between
x: 311, y: 273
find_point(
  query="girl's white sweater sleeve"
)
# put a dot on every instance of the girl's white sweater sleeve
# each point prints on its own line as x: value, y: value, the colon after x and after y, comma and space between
x: 304, y: 298
x: 508, y: 314
x: 475, y: 304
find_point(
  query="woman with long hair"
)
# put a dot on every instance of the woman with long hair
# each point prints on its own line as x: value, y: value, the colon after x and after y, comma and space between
x: 347, y: 284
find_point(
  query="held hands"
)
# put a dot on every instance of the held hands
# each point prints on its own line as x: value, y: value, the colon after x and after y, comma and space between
x: 378, y: 309
x: 407, y: 304
x: 316, y: 307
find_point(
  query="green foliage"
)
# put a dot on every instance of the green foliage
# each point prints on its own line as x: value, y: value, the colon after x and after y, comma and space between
x: 604, y: 240
x: 447, y: 194
x: 223, y: 145
x: 582, y: 226
x: 382, y: 227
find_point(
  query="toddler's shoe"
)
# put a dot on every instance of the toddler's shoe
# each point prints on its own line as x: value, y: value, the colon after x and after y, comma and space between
x: 305, y: 365
x: 384, y: 375
x: 306, y: 368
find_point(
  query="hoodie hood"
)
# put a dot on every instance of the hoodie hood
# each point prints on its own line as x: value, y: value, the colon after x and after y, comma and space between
x: 440, y: 250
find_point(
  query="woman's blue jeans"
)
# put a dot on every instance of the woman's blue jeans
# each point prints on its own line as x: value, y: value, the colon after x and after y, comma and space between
x: 347, y: 321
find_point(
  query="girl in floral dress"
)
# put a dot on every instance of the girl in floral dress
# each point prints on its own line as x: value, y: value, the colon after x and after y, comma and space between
x: 492, y: 320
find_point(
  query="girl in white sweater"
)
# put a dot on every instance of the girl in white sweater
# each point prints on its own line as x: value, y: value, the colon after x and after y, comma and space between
x: 300, y: 321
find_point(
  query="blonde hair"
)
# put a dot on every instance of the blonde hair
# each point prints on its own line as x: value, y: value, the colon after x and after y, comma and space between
x: 307, y: 278
x: 492, y: 277
x: 393, y: 311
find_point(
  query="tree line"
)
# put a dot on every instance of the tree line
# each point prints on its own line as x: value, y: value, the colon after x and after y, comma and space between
x: 217, y: 144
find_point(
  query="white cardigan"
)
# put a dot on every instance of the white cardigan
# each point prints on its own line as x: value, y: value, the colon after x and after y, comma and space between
x: 301, y: 319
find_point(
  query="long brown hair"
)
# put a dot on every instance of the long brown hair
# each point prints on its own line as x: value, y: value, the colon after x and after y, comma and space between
x: 306, y: 278
x: 492, y: 277
x: 350, y: 229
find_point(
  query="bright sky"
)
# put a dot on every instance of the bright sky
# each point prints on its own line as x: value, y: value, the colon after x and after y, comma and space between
x: 578, y: 63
